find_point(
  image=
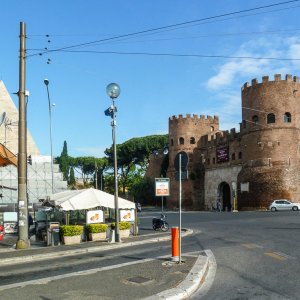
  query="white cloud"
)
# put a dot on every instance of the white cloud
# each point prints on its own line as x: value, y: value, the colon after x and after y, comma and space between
x: 237, y: 69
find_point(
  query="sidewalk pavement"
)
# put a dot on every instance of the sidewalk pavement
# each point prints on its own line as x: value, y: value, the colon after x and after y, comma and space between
x: 157, y: 278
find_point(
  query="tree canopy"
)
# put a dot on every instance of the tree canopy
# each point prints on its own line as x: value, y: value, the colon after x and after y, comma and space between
x: 132, y: 161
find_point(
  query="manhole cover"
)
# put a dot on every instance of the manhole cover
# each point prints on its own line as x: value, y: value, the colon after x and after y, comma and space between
x: 138, y: 279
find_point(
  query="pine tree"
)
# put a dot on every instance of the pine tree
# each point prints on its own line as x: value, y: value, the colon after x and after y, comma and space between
x: 72, y: 180
x: 64, y: 162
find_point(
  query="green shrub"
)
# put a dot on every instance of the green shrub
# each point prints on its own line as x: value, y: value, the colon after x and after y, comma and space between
x: 71, y: 230
x: 96, y: 228
x: 122, y: 225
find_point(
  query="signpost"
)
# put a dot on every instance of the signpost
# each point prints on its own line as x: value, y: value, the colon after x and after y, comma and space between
x: 180, y: 163
x: 181, y: 167
x: 162, y: 188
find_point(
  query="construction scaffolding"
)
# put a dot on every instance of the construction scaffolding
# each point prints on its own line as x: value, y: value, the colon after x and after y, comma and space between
x: 39, y: 182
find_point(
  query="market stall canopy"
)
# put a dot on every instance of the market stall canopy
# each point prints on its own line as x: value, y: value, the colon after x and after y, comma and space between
x: 85, y: 199
x: 7, y: 157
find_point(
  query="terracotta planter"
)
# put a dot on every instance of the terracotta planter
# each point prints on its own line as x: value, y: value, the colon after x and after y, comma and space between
x: 124, y: 233
x: 100, y: 236
x: 71, y: 240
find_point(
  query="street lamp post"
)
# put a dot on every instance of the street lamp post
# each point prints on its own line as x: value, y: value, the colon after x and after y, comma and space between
x: 113, y: 91
x: 46, y: 81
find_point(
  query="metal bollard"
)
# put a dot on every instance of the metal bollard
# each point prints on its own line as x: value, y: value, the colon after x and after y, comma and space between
x: 175, y: 243
x: 112, y: 238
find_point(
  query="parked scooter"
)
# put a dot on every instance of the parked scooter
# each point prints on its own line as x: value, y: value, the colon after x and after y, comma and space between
x: 160, y: 223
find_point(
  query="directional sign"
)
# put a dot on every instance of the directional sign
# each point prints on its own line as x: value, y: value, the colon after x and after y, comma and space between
x: 184, y: 161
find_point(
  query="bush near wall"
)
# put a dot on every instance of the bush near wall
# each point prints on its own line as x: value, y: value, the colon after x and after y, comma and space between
x: 71, y: 230
x: 122, y: 225
x: 96, y: 228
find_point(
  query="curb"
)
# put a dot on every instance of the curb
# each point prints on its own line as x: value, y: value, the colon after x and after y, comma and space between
x: 36, y: 257
x: 189, y: 285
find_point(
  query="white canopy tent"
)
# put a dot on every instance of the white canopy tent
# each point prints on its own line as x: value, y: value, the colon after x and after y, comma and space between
x: 87, y: 199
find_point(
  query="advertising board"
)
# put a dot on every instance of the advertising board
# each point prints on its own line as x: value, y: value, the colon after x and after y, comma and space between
x: 162, y: 187
x: 222, y: 154
x: 94, y: 216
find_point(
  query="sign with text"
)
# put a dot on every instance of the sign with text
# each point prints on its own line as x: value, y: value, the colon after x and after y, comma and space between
x: 222, y: 154
x: 162, y: 187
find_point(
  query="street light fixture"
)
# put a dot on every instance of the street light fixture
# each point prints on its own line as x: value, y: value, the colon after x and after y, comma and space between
x: 46, y: 81
x: 113, y: 91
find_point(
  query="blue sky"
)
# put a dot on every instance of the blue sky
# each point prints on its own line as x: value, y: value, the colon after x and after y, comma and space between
x: 153, y: 88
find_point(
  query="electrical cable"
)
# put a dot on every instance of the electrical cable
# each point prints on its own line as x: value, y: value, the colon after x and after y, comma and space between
x: 167, y: 27
x: 181, y: 55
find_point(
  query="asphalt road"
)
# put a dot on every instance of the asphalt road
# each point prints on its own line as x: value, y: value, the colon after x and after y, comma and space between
x: 256, y: 255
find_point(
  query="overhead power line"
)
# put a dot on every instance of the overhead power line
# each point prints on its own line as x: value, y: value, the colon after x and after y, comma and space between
x: 181, y: 55
x: 167, y: 27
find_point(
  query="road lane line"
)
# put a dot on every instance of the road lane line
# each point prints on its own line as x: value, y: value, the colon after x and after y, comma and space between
x: 251, y: 246
x: 275, y: 255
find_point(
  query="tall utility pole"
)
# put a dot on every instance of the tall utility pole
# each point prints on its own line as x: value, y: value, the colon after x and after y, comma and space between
x: 23, y: 241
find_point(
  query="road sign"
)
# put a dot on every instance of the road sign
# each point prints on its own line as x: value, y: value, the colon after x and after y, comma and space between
x: 162, y: 187
x: 184, y: 175
x: 184, y: 161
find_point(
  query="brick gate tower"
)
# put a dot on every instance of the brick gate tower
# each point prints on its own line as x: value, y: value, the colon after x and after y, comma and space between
x: 184, y: 134
x: 270, y: 141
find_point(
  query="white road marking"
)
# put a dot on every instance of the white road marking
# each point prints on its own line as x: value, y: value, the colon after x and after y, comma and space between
x: 46, y: 280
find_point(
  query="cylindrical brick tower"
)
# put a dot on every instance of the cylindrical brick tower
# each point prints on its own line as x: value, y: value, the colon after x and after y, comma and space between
x: 270, y: 135
x: 184, y: 134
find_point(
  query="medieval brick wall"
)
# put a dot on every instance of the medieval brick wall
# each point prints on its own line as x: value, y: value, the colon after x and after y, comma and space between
x: 265, y: 153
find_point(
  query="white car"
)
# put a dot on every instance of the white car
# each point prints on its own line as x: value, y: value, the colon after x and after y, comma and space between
x: 283, y: 204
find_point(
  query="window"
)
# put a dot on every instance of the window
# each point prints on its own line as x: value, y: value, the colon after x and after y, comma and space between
x: 270, y: 118
x: 172, y: 142
x: 181, y: 141
x: 212, y: 128
x: 192, y: 140
x: 287, y: 118
x: 233, y: 156
x: 240, y: 155
x: 244, y: 123
x: 255, y: 120
x: 214, y: 160
x: 208, y: 161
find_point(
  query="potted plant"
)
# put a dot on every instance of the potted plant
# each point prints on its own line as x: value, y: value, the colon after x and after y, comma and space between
x: 97, y: 232
x: 124, y: 228
x: 71, y: 234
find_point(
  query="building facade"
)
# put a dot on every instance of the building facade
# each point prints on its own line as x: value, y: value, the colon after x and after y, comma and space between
x: 39, y: 171
x: 249, y: 168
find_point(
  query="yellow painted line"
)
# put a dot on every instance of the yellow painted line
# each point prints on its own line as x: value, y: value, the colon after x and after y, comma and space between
x: 275, y: 255
x: 250, y: 246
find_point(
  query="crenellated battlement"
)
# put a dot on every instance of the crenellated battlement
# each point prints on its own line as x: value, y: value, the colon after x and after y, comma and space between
x: 220, y: 137
x: 194, y: 117
x: 265, y: 80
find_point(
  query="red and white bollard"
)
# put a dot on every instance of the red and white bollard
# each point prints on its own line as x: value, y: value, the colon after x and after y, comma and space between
x: 175, y: 244
x: 2, y: 232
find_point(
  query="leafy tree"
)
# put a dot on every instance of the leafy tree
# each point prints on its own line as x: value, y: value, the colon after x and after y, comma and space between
x: 133, y: 156
x: 86, y: 166
x: 143, y: 191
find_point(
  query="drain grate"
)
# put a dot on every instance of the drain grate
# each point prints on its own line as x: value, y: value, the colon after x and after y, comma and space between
x: 139, y: 279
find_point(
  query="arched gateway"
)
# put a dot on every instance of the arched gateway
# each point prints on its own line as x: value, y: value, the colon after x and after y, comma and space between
x: 224, y: 196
